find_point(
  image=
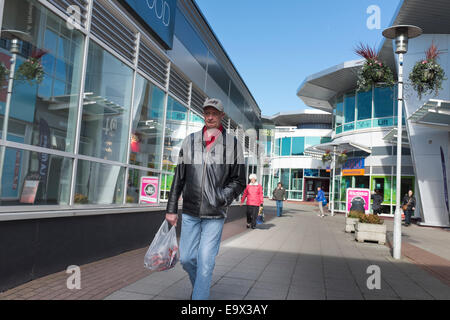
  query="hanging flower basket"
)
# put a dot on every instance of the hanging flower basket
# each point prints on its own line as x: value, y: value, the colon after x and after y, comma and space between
x: 374, y: 71
x: 3, y: 73
x: 427, y: 75
x: 32, y: 69
x: 326, y: 157
x: 342, y: 158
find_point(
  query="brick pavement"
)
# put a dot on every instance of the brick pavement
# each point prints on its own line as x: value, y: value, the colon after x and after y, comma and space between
x: 297, y: 256
x: 101, y: 278
x: 316, y: 258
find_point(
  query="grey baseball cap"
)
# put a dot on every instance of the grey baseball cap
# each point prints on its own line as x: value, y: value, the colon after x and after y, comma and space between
x: 215, y: 103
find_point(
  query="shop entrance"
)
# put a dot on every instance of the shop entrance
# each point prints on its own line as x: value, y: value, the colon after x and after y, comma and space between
x: 311, y: 185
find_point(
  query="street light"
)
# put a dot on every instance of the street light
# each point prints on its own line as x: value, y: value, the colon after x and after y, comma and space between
x: 401, y: 34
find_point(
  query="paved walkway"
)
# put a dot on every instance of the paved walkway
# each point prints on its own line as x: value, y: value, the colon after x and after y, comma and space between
x: 301, y: 256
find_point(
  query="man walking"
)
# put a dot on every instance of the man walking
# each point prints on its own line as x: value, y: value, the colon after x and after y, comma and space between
x: 409, y: 206
x: 320, y: 198
x: 210, y: 174
x: 279, y: 195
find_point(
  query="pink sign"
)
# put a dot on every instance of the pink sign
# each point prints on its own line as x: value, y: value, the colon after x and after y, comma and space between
x: 149, y: 191
x: 358, y: 200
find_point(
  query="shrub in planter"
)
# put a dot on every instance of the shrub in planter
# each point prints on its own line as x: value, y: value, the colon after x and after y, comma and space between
x: 427, y: 75
x: 371, y: 218
x: 355, y: 214
x: 374, y: 71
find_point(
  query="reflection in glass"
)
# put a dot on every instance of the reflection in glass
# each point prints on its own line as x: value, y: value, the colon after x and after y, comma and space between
x: 147, y: 128
x: 196, y: 122
x: 298, y: 146
x: 383, y: 102
x: 175, y: 133
x: 35, y: 178
x: 286, y: 146
x: 98, y: 183
x: 349, y: 108
x: 106, y: 106
x: 364, y: 105
x: 48, y: 110
x: 339, y: 111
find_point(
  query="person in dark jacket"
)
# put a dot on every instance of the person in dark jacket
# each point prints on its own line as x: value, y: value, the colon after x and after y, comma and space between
x: 410, y: 201
x: 377, y: 200
x: 211, y: 175
x: 279, y: 195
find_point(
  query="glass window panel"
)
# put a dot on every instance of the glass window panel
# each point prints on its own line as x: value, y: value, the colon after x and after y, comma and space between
x: 383, y: 102
x: 296, y: 179
x: 349, y: 126
x: 311, y: 141
x: 364, y: 124
x: 325, y: 140
x: 349, y: 107
x: 285, y: 178
x: 286, y: 146
x: 50, y: 108
x: 339, y: 111
x: 98, y: 183
x: 106, y: 107
x: 339, y: 130
x: 175, y: 133
x: 311, y: 172
x: 277, y: 146
x: 196, y: 122
x: 386, y: 122
x: 32, y: 178
x: 298, y: 146
x: 364, y: 105
x: 147, y: 125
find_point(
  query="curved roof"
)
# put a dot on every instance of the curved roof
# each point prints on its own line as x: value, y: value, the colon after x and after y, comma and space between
x: 318, y: 90
x: 292, y: 119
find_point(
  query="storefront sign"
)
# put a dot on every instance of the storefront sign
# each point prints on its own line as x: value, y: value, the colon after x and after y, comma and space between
x: 29, y: 191
x: 358, y: 200
x: 149, y: 190
x: 159, y: 16
x: 353, y: 167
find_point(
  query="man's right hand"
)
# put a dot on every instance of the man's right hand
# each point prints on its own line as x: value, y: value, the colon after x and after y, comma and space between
x: 172, y: 218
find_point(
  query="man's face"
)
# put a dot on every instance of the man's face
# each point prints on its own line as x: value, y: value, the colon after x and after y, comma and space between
x: 213, y: 117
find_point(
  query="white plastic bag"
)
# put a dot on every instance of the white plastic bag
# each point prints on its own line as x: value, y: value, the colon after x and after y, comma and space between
x: 163, y: 252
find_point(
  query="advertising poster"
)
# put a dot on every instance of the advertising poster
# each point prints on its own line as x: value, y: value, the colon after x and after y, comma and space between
x: 149, y: 190
x: 29, y: 191
x: 353, y: 167
x: 358, y: 199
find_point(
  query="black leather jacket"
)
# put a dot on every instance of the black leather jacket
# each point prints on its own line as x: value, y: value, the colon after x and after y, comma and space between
x: 208, y: 179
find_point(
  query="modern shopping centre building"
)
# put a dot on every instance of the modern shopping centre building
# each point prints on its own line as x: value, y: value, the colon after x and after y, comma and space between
x: 291, y: 134
x: 364, y: 123
x: 124, y: 82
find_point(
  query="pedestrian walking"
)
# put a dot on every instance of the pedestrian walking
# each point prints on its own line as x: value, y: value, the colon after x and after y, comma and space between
x: 377, y: 200
x: 320, y: 198
x: 254, y: 195
x: 279, y: 195
x: 409, y: 206
x: 210, y: 174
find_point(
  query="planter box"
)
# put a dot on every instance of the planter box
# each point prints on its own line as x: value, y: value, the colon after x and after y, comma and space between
x: 370, y: 232
x: 350, y: 224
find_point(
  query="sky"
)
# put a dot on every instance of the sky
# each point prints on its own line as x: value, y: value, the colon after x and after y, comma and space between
x: 275, y: 45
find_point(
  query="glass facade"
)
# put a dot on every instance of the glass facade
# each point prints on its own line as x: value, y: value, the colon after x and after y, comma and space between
x: 295, y: 146
x: 98, y: 121
x: 365, y: 109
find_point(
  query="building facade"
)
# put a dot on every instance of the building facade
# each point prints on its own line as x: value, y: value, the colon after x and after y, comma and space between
x: 123, y: 84
x: 117, y: 97
x: 292, y: 134
x: 365, y: 122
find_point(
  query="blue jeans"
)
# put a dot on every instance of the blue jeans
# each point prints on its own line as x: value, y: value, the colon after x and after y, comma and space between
x: 279, y: 208
x: 199, y: 245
